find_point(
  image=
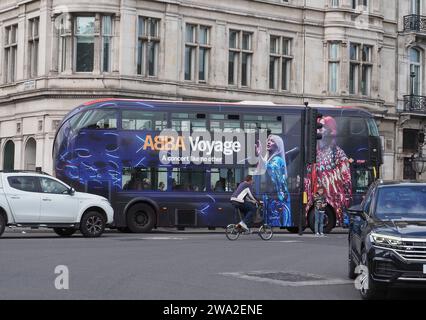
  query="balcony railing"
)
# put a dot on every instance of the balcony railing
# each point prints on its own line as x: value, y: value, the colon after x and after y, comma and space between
x: 416, y: 104
x: 415, y: 22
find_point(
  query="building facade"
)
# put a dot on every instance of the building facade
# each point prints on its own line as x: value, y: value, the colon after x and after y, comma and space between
x: 57, y: 54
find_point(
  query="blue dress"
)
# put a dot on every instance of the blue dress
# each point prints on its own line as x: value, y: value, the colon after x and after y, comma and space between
x: 276, y: 199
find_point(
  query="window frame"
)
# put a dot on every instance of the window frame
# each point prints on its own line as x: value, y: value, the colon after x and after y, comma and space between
x: 281, y: 58
x: 363, y: 67
x: 240, y: 52
x: 145, y: 40
x: 10, y: 52
x: 65, y: 192
x: 196, y: 46
x: 33, y: 46
x: 37, y: 183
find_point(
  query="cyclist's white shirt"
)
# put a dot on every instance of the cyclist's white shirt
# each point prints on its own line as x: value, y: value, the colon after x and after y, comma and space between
x: 243, y: 194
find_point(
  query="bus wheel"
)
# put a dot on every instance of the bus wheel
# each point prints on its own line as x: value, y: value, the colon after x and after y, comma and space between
x: 294, y: 229
x: 141, y: 218
x: 330, y: 220
x: 124, y: 230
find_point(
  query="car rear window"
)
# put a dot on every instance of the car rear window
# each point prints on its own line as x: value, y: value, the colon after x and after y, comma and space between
x: 23, y: 183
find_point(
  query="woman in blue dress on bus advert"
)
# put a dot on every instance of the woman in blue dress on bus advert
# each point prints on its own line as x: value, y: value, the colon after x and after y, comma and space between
x: 276, y: 197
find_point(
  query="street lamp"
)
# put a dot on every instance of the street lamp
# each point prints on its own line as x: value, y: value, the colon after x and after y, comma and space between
x: 418, y: 160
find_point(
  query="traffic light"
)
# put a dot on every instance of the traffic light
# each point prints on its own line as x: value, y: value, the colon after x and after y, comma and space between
x: 313, y: 124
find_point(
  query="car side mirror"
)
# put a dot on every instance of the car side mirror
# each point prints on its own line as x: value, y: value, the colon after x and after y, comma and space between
x: 356, y: 211
x: 71, y: 191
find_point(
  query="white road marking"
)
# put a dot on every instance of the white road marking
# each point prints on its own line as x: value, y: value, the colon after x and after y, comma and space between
x: 320, y: 282
x: 163, y: 238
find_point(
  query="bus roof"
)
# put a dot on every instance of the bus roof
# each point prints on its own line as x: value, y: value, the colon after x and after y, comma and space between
x: 268, y: 105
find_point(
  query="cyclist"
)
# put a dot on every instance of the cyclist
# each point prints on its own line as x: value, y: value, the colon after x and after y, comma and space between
x: 244, y: 200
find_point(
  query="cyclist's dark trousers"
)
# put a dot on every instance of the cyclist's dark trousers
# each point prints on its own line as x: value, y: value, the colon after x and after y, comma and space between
x: 248, y: 209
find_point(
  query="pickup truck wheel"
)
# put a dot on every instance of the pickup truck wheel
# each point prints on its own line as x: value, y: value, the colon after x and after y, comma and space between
x: 92, y: 224
x: 64, y: 232
x: 141, y: 218
x: 2, y: 224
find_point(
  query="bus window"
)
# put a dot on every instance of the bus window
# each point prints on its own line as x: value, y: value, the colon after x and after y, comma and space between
x: 357, y: 127
x: 272, y: 124
x: 373, y: 131
x: 184, y: 179
x: 225, y: 123
x: 142, y: 120
x: 97, y: 119
x: 148, y: 179
x: 292, y: 125
x: 225, y: 179
x: 362, y: 178
x: 189, y: 122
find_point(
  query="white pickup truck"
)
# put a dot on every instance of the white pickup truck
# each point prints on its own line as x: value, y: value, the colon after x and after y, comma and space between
x: 33, y: 199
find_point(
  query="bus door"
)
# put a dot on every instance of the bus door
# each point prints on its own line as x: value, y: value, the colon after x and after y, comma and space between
x: 362, y: 177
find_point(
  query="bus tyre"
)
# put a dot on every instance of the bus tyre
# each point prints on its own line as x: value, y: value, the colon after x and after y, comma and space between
x: 294, y: 229
x: 2, y: 224
x: 124, y: 230
x: 92, y: 224
x: 141, y: 218
x: 64, y: 232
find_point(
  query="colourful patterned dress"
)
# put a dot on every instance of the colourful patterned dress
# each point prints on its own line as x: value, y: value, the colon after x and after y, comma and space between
x: 277, y: 198
x: 334, y: 175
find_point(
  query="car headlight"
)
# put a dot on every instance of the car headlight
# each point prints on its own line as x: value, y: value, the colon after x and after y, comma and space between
x: 385, y: 240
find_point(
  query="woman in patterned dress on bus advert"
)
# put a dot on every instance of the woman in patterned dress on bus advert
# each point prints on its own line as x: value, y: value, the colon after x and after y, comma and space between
x: 332, y: 171
x: 276, y: 197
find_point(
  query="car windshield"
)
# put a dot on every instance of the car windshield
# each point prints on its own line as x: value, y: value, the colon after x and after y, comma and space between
x: 401, y: 202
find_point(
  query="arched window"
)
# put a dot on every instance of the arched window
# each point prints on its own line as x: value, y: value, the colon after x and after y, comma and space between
x: 415, y: 75
x: 9, y: 156
x: 30, y: 154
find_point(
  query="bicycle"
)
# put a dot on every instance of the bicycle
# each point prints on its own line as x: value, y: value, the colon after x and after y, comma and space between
x: 265, y: 232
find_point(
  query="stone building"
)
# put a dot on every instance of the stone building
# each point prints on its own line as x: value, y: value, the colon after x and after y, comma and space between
x: 56, y: 54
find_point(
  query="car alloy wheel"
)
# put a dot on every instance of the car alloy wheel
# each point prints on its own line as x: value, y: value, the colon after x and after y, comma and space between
x: 94, y: 225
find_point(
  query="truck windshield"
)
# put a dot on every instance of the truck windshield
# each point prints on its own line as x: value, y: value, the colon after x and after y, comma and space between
x: 401, y: 202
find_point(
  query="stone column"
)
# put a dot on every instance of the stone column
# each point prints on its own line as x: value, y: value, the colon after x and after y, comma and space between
x: 173, y: 48
x: 18, y: 152
x: 21, y: 64
x: 219, y: 55
x: 260, y: 60
x: 127, y: 42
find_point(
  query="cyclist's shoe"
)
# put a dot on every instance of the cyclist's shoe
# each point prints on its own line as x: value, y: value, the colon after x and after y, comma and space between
x: 243, y: 226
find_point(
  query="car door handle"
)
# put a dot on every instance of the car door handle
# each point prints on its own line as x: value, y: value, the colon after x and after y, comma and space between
x: 47, y: 199
x: 15, y: 197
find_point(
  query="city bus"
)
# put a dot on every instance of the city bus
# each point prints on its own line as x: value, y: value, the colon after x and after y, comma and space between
x: 177, y: 163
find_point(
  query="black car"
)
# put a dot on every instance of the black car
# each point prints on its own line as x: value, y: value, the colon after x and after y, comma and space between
x: 387, y: 238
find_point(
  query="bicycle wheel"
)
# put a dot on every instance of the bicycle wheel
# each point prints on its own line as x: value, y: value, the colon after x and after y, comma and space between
x: 266, y: 232
x: 231, y: 232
